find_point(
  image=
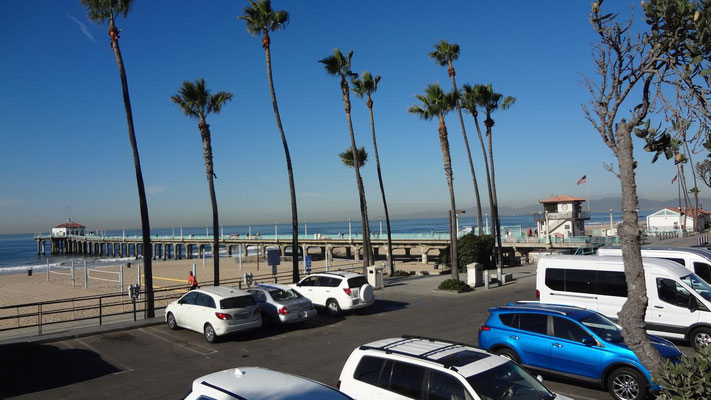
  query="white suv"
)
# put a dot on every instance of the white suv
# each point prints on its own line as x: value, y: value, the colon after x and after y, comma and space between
x: 337, y: 291
x: 414, y: 367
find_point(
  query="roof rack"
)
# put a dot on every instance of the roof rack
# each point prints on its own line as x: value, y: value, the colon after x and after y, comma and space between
x: 533, y: 308
x: 332, y: 273
x: 424, y: 356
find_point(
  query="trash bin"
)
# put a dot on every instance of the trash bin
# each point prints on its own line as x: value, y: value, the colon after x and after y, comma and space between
x: 29, y: 272
x: 475, y: 274
x: 375, y: 277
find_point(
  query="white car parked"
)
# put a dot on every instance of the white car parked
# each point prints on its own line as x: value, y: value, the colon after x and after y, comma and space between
x: 282, y: 304
x: 424, y: 368
x: 255, y: 383
x: 214, y: 311
x: 337, y: 291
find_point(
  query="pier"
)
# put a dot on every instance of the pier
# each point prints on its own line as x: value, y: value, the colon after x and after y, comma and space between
x: 422, y: 246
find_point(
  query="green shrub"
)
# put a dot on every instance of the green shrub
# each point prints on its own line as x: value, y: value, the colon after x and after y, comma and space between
x: 451, y: 284
x: 471, y: 249
x: 400, y: 272
x: 688, y: 380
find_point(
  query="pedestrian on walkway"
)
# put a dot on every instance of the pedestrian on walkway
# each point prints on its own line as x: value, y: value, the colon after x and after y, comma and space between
x: 192, y: 281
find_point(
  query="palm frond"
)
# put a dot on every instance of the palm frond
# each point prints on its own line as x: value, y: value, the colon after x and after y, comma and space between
x: 101, y: 10
x: 339, y: 65
x: 217, y: 100
x: 445, y: 52
x: 434, y: 102
x: 261, y: 18
x: 347, y: 156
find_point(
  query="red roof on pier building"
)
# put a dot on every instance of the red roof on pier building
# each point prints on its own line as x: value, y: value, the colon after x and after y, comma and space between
x: 70, y: 224
x: 560, y: 199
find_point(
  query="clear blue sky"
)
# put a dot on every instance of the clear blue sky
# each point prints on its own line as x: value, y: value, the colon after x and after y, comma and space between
x: 65, y: 150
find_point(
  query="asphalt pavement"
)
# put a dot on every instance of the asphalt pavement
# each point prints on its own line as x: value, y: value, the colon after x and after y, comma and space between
x: 154, y: 362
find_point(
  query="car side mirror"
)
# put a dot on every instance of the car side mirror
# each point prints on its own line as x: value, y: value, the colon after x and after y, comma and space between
x: 589, y: 341
x: 181, y: 301
x: 693, y: 304
x: 539, y: 378
x: 298, y: 284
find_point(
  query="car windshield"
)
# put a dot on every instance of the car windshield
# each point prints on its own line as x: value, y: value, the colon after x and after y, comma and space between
x: 508, y: 382
x: 603, y: 327
x: 698, y: 285
x: 237, y: 302
x: 281, y: 295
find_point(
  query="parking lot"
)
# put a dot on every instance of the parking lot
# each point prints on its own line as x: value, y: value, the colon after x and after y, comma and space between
x: 155, y: 362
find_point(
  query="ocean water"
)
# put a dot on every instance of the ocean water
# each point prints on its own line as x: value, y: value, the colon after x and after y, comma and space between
x: 19, y: 252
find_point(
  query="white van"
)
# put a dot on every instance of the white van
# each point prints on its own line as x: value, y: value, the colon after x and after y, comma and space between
x: 694, y: 259
x: 679, y: 301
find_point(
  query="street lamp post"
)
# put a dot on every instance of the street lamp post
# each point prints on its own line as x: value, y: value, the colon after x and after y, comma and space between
x: 206, y: 231
x: 610, y: 223
x: 249, y: 230
x: 380, y: 220
x: 350, y: 231
x: 306, y: 228
x: 276, y: 232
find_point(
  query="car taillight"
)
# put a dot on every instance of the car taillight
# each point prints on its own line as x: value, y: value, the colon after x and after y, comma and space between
x: 283, y: 311
x: 484, y: 328
x: 257, y: 311
x: 223, y: 315
x: 348, y: 291
x: 538, y: 294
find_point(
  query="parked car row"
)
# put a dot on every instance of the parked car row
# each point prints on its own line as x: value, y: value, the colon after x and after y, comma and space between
x: 220, y: 310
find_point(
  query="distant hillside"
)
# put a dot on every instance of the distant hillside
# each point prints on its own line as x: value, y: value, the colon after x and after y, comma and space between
x: 596, y: 205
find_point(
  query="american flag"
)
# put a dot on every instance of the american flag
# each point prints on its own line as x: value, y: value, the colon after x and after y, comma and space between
x: 582, y: 180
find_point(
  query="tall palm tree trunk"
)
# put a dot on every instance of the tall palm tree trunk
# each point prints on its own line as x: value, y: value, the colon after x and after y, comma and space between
x: 143, y: 204
x: 444, y: 144
x: 292, y: 188
x: 359, y: 182
x: 486, y: 163
x: 469, y: 154
x: 495, y: 212
x: 207, y: 155
x: 382, y: 189
x: 696, y: 185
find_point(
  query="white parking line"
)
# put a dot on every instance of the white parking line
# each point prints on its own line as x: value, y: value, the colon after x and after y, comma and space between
x: 123, y: 368
x: 575, y: 396
x: 166, y: 337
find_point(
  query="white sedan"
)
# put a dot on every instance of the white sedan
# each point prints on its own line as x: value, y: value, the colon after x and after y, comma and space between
x: 214, y: 311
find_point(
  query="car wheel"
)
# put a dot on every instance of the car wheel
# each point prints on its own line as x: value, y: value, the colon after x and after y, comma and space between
x: 172, y: 323
x: 700, y: 338
x: 508, y: 353
x: 210, y: 334
x: 627, y: 384
x: 333, y: 308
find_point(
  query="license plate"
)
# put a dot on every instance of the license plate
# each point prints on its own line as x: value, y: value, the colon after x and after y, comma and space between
x: 356, y: 301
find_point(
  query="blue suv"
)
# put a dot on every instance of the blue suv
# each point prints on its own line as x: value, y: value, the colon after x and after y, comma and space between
x: 571, y: 342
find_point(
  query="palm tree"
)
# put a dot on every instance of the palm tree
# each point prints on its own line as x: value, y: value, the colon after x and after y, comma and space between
x: 197, y: 102
x: 436, y: 104
x: 262, y: 19
x: 347, y: 157
x: 490, y: 102
x: 339, y: 65
x: 445, y: 54
x: 101, y: 11
x: 471, y: 99
x: 366, y: 86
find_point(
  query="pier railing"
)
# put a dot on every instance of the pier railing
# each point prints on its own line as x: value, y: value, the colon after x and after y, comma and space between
x: 80, y: 312
x: 281, y: 237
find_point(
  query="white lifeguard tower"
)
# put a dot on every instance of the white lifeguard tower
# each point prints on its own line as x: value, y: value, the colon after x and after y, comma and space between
x: 68, y: 228
x: 562, y: 217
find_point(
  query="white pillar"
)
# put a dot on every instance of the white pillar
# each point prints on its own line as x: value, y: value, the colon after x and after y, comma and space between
x: 276, y: 232
x: 86, y: 276
x: 222, y: 231
x: 380, y: 220
x: 121, y: 278
x: 610, y: 223
x: 73, y: 280
x: 48, y: 270
x: 306, y: 228
x: 249, y: 235
x: 138, y: 271
x: 350, y: 231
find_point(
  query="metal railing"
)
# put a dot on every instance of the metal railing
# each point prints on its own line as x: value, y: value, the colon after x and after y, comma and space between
x: 36, y: 317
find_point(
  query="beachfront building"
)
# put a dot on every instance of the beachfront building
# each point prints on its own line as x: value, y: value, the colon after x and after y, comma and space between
x: 68, y: 228
x: 671, y: 219
x: 562, y: 217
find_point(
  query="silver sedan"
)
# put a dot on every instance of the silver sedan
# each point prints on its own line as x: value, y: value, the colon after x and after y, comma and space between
x: 282, y: 304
